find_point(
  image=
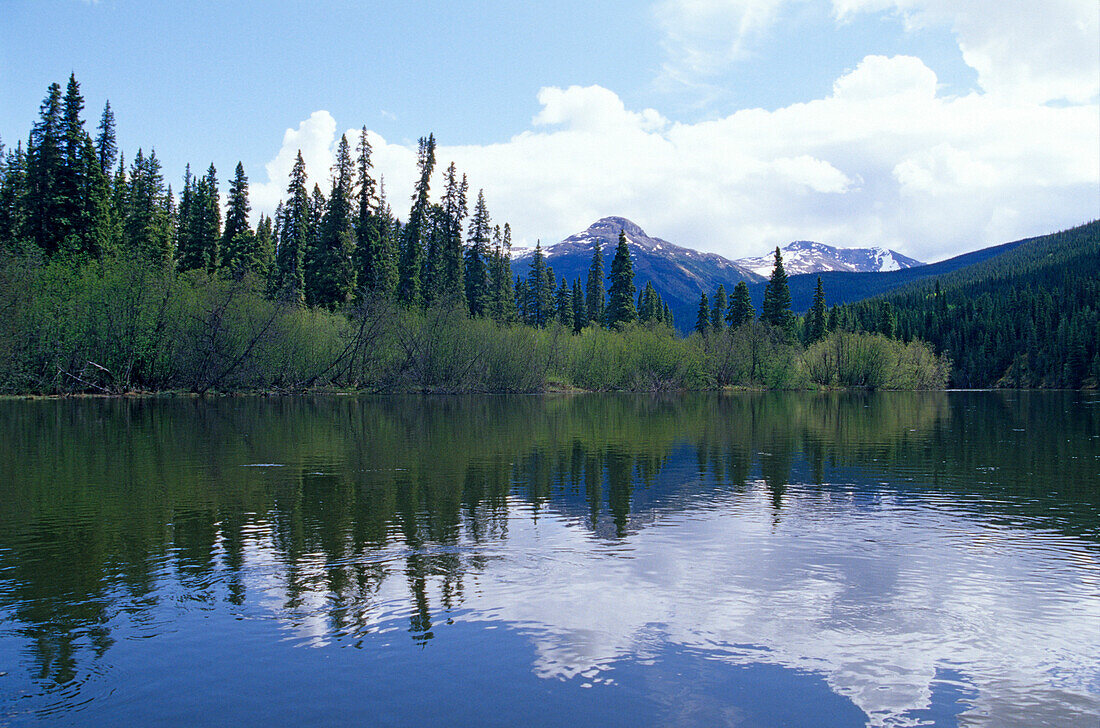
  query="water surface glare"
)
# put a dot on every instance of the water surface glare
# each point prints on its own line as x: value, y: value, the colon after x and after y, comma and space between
x: 795, y: 559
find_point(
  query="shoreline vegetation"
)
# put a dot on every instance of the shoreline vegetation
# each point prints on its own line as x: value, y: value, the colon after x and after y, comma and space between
x: 110, y: 283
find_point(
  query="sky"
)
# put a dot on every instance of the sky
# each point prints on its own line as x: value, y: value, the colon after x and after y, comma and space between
x: 933, y: 127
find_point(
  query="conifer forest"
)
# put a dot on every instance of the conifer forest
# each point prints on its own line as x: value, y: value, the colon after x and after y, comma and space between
x: 112, y: 281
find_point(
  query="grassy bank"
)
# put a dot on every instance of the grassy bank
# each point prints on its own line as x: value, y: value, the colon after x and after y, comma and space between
x: 115, y: 327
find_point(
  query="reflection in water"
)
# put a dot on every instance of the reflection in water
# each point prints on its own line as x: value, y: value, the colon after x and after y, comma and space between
x: 922, y: 558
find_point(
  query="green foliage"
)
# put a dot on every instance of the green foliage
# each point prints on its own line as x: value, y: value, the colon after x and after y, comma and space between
x: 1025, y: 318
x: 416, y: 230
x: 776, y: 309
x: 740, y: 310
x: 241, y: 250
x: 816, y: 324
x: 620, y: 298
x: 109, y: 288
x: 477, y: 257
x: 292, y: 226
x: 862, y: 360
x: 702, y: 317
x: 718, y: 313
x: 594, y: 301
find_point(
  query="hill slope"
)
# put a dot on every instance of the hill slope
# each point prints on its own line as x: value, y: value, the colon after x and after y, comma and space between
x: 1028, y: 317
x: 846, y: 287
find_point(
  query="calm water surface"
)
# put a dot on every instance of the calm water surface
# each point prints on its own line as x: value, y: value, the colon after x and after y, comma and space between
x: 891, y: 559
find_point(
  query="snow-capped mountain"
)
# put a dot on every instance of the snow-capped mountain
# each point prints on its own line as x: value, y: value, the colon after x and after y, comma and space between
x: 805, y: 256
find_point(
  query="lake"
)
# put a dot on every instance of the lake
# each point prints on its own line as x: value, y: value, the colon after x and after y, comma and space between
x: 745, y: 559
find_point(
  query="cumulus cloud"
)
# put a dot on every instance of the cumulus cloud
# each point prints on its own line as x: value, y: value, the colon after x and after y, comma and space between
x: 1039, y: 51
x: 881, y: 160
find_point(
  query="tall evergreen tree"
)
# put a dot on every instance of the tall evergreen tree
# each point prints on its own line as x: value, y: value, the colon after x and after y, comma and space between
x: 540, y: 293
x: 500, y: 276
x: 718, y: 313
x: 293, y: 229
x: 740, y: 309
x: 620, y: 299
x: 240, y: 251
x: 776, y: 309
x: 521, y: 300
x: 204, y: 226
x: 816, y: 323
x: 147, y: 228
x: 451, y: 284
x: 563, y: 302
x: 594, y: 300
x: 44, y: 221
x: 105, y: 143
x: 188, y: 253
x: 265, y: 247
x: 416, y: 229
x: 580, y: 316
x: 702, y: 319
x: 330, y: 273
x: 477, y: 253
x: 651, y: 309
x: 13, y: 188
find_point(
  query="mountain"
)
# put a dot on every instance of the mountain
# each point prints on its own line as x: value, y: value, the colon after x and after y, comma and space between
x: 806, y: 256
x: 846, y: 287
x: 1026, y: 317
x: 679, y: 274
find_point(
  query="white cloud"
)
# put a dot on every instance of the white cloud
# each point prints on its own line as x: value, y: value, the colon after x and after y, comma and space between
x: 314, y: 138
x: 881, y: 160
x: 1022, y: 49
x: 701, y: 37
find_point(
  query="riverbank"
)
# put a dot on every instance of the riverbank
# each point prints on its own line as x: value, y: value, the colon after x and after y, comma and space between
x: 110, y: 328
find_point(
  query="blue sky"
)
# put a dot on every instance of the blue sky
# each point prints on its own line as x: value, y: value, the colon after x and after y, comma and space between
x: 725, y: 125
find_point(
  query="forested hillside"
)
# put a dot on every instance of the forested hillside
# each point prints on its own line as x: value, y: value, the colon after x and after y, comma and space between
x: 847, y: 287
x: 1029, y: 317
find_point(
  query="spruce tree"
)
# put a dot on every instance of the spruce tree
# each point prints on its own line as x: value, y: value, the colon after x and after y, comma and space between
x: 718, y: 313
x: 205, y: 224
x: 416, y: 229
x: 188, y: 255
x: 105, y: 143
x: 564, y: 304
x: 147, y: 227
x: 13, y: 187
x: 330, y: 272
x: 651, y: 310
x: 367, y: 230
x: 740, y: 309
x: 44, y: 160
x: 477, y: 253
x: 264, y: 246
x: 452, y: 284
x: 816, y: 323
x: 240, y: 253
x: 500, y: 275
x: 521, y: 300
x: 702, y: 320
x: 620, y: 299
x: 540, y: 294
x: 580, y: 316
x: 594, y: 301
x: 293, y: 229
x: 776, y: 309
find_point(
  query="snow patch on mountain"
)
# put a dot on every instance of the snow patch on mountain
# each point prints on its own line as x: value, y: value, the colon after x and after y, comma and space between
x: 807, y: 256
